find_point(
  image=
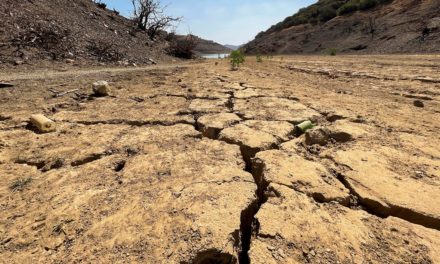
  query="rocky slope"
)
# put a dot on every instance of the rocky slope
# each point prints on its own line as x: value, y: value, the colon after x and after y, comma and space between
x: 405, y: 26
x: 60, y: 29
x: 209, y: 47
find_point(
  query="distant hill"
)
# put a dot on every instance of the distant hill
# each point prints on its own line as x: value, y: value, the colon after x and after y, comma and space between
x: 355, y: 26
x: 233, y: 47
x: 208, y: 46
x: 80, y: 29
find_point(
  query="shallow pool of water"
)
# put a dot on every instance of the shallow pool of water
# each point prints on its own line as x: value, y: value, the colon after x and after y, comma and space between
x: 215, y: 56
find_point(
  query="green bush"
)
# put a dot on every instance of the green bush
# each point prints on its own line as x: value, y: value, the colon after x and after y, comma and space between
x: 237, y: 58
x: 347, y: 8
x: 366, y: 4
x: 259, y: 58
x: 332, y: 52
x: 20, y: 184
x: 326, y: 13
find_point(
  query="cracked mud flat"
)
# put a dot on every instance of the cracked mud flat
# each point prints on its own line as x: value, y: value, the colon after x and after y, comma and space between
x: 198, y: 164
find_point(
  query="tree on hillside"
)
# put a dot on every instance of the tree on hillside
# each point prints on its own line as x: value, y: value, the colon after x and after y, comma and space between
x: 149, y: 15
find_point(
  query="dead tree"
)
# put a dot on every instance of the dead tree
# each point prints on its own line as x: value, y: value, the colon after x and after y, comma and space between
x: 372, y: 26
x: 150, y: 16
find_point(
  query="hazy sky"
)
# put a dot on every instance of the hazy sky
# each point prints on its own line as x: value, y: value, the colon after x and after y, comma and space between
x: 224, y: 21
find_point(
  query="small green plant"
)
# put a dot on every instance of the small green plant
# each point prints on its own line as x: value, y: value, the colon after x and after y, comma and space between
x: 237, y: 58
x: 332, y: 52
x: 259, y: 58
x: 20, y: 184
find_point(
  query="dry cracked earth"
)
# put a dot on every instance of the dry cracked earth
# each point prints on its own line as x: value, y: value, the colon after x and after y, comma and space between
x: 194, y: 163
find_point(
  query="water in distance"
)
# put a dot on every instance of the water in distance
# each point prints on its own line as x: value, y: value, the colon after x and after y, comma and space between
x: 215, y: 56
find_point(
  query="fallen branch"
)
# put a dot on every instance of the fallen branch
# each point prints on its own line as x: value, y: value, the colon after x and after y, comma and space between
x: 59, y: 94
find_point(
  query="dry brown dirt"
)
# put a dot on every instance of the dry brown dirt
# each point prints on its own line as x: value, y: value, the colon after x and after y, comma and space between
x: 194, y: 163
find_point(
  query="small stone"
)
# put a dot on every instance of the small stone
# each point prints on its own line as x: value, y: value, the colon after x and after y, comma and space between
x: 101, y: 88
x: 18, y: 62
x: 70, y: 61
x: 418, y: 103
x: 419, y: 174
x: 317, y: 136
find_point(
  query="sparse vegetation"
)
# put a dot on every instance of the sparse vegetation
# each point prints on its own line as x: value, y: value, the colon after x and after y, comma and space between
x: 182, y: 47
x: 100, y: 4
x: 323, y: 11
x: 347, y: 8
x: 20, y: 184
x: 332, y: 51
x: 237, y: 58
x: 105, y: 51
x: 54, y: 40
x: 365, y: 4
x: 259, y: 58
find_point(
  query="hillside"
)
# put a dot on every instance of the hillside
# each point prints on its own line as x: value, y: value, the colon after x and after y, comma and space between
x: 233, y: 47
x: 208, y: 46
x: 355, y: 26
x: 80, y: 30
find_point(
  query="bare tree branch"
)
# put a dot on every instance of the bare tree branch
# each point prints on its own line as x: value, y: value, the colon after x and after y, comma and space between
x: 150, y: 16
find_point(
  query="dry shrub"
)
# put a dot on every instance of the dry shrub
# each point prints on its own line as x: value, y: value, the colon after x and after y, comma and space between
x: 48, y: 37
x: 182, y: 46
x: 104, y: 51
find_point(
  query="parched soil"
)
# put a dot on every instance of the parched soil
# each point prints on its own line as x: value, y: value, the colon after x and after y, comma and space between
x: 194, y: 163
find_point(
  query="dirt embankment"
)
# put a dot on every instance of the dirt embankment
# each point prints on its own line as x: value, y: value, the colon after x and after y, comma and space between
x: 405, y: 26
x: 196, y: 163
x: 60, y: 30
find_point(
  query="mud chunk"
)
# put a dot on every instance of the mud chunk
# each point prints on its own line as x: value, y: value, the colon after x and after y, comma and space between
x: 344, y: 130
x: 42, y: 123
x: 275, y: 109
x: 158, y: 110
x: 311, y: 178
x: 317, y: 136
x: 54, y: 150
x: 295, y: 219
x: 101, y: 88
x: 280, y: 129
x: 208, y: 106
x: 250, y: 140
x: 385, y: 191
x: 211, y: 125
x: 341, y: 136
